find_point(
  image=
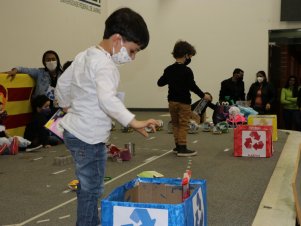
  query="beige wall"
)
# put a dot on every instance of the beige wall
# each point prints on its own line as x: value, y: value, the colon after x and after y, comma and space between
x: 30, y: 27
x: 226, y: 34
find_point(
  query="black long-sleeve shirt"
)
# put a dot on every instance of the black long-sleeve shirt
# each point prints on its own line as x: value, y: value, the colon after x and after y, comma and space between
x: 35, y: 130
x: 180, y: 81
x: 233, y: 90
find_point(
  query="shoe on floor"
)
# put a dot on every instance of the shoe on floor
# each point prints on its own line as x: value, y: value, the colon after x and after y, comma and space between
x: 4, y: 150
x: 184, y: 152
x: 30, y: 148
x: 14, y: 146
x: 216, y: 130
x: 175, y: 150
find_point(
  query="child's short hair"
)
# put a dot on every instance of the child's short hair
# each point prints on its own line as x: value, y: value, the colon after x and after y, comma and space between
x: 129, y: 24
x: 183, y: 48
x: 38, y: 102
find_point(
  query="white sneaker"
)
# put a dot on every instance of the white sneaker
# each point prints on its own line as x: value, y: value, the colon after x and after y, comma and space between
x: 33, y: 148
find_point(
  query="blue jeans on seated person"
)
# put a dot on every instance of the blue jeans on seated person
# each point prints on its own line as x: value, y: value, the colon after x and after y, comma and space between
x: 90, y: 161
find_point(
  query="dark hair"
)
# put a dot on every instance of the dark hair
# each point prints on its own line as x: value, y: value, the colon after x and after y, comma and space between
x: 67, y: 64
x: 58, y: 67
x: 38, y: 102
x: 295, y: 88
x: 129, y: 24
x: 183, y: 48
x: 262, y: 73
x: 237, y: 71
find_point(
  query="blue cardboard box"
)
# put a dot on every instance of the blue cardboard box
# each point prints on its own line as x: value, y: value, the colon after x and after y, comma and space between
x: 155, y: 202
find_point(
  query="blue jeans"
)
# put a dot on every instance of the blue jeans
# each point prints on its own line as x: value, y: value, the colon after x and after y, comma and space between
x: 90, y: 161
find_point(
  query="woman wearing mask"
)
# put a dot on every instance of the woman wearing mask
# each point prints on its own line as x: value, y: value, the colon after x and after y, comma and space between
x: 45, y: 77
x: 261, y: 94
x: 288, y: 99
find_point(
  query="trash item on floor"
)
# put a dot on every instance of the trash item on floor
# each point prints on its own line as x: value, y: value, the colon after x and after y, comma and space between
x: 107, y: 178
x: 150, y: 174
x: 223, y: 126
x: 63, y: 160
x: 169, y: 127
x: 119, y: 154
x: 33, y: 148
x: 23, y: 143
x: 206, y: 126
x: 193, y: 127
x: 149, y: 200
x: 73, y: 185
x: 216, y: 130
x: 158, y: 128
x: 186, y: 185
x: 131, y: 147
x: 126, y: 129
x: 235, y: 117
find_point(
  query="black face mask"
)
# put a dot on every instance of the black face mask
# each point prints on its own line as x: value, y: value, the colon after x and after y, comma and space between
x: 187, y: 61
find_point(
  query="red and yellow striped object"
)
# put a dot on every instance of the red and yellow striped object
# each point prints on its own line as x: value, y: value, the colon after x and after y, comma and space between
x: 15, y: 96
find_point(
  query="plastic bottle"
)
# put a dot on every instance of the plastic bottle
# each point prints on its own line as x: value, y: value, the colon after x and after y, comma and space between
x: 185, y: 185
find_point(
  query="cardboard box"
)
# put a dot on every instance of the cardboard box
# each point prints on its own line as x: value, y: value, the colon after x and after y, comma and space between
x: 157, y: 202
x: 265, y: 120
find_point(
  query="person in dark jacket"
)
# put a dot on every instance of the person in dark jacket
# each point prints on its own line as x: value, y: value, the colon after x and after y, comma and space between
x: 35, y: 130
x: 261, y: 94
x: 233, y: 89
x: 180, y: 81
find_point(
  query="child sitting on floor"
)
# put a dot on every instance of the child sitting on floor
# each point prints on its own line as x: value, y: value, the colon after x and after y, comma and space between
x: 9, y: 145
x: 35, y: 131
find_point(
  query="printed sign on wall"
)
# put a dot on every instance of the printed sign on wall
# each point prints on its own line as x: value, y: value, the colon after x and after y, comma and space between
x: 91, y: 5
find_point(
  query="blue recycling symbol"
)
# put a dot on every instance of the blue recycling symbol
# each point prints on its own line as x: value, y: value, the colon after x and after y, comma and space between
x: 143, y: 216
x: 199, y: 219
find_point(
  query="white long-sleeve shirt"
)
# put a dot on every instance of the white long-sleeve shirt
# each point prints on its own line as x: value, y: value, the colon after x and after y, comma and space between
x: 89, y: 88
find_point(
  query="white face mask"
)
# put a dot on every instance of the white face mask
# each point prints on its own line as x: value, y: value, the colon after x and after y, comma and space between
x: 122, y: 56
x: 51, y: 65
x: 260, y: 79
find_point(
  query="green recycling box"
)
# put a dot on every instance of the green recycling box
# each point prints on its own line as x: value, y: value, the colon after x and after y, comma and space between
x: 155, y: 202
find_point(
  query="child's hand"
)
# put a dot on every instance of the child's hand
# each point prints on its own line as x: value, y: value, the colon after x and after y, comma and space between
x: 140, y: 126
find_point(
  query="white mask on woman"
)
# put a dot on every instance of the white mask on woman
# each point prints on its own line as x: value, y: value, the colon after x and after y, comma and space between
x: 51, y: 65
x: 122, y: 56
x: 260, y: 79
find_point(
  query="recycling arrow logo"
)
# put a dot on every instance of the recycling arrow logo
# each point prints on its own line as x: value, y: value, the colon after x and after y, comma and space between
x: 254, y: 143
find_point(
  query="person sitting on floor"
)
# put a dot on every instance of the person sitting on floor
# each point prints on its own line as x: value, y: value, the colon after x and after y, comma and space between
x: 9, y: 145
x: 35, y: 131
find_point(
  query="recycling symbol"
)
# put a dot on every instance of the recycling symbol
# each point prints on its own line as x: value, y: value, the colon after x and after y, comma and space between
x: 253, y: 141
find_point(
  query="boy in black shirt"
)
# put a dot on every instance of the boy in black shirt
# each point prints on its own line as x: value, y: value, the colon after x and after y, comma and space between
x: 180, y: 81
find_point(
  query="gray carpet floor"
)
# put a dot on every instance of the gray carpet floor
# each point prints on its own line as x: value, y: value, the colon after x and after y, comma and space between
x: 33, y: 190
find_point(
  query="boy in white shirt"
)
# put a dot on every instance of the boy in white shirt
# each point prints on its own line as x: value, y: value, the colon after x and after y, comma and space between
x: 88, y: 89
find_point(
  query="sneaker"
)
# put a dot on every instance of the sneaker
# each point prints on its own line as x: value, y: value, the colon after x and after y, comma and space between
x: 206, y: 127
x: 175, y: 150
x: 4, y: 149
x: 186, y: 153
x: 33, y: 148
x: 216, y: 130
x: 14, y: 146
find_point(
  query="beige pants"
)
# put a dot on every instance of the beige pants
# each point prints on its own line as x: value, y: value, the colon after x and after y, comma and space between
x: 180, y: 115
